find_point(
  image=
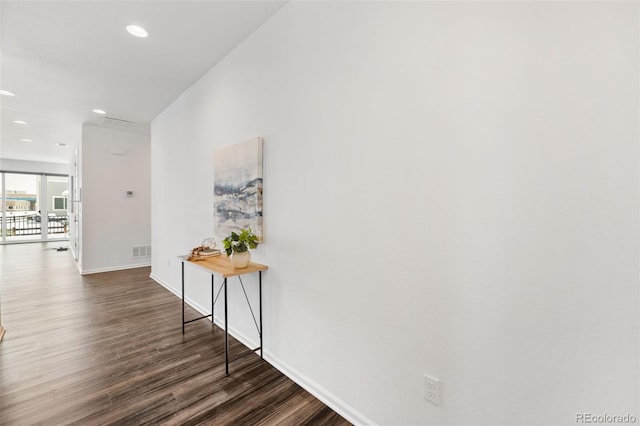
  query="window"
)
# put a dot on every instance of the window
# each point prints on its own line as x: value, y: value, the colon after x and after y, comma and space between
x: 59, y: 203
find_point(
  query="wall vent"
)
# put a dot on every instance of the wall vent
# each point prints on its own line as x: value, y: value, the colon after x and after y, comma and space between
x: 117, y: 123
x: 141, y: 251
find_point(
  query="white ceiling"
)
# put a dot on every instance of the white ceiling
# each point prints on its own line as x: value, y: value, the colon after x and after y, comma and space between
x: 62, y: 59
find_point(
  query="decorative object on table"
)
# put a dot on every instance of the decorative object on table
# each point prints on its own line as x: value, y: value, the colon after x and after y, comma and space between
x: 194, y: 256
x: 203, y: 251
x: 237, y: 187
x: 209, y: 248
x: 237, y: 246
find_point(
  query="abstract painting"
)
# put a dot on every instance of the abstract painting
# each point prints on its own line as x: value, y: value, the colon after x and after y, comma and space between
x: 237, y: 188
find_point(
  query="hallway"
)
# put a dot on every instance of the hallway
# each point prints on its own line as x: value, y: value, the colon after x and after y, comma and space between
x: 108, y: 349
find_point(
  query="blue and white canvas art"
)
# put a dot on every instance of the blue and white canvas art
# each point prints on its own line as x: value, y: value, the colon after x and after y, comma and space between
x: 237, y: 187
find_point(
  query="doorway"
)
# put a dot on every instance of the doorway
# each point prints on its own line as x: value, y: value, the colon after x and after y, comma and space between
x: 34, y: 207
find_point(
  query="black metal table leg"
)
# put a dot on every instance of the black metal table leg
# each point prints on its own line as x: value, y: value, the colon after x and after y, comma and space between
x: 226, y: 330
x: 212, y: 301
x: 183, y: 297
x: 260, y: 299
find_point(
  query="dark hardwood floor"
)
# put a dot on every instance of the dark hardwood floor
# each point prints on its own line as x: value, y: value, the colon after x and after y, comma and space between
x: 108, y: 349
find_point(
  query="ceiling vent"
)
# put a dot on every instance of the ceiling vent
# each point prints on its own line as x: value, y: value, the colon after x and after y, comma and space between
x: 117, y: 123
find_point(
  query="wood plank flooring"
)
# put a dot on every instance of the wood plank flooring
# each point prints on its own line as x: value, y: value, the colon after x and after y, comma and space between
x: 108, y: 349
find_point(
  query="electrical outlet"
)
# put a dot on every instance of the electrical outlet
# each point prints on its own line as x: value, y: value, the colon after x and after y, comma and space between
x: 432, y: 389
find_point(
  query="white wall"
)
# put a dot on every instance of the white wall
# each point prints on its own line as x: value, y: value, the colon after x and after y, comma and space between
x: 449, y: 188
x: 111, y: 223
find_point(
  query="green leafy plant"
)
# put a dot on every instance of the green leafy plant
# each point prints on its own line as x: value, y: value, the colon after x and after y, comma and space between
x: 239, y: 243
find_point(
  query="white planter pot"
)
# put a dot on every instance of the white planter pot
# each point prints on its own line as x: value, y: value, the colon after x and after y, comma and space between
x: 240, y: 260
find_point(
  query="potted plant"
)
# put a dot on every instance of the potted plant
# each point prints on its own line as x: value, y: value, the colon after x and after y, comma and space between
x: 237, y: 246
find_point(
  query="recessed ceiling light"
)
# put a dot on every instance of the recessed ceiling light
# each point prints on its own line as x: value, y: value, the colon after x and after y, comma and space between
x: 99, y: 111
x: 6, y: 93
x: 19, y: 122
x: 63, y: 145
x: 26, y: 140
x: 136, y: 30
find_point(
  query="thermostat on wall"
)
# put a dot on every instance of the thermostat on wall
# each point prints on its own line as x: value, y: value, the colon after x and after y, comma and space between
x: 129, y: 193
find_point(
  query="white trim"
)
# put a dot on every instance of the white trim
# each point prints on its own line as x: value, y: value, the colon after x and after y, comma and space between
x: 332, y: 401
x: 336, y: 404
x: 165, y: 285
x: 73, y: 252
x: 112, y: 268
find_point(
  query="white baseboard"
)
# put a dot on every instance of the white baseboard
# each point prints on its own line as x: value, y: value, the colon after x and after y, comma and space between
x: 113, y: 268
x: 329, y: 399
x: 165, y: 285
x: 309, y: 385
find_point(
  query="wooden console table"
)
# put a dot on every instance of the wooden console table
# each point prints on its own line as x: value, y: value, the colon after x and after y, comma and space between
x: 221, y: 265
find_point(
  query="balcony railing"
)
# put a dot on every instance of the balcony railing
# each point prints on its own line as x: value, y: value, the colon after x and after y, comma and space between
x: 31, y: 225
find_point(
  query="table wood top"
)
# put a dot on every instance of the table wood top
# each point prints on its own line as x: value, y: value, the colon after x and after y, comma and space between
x: 221, y: 265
